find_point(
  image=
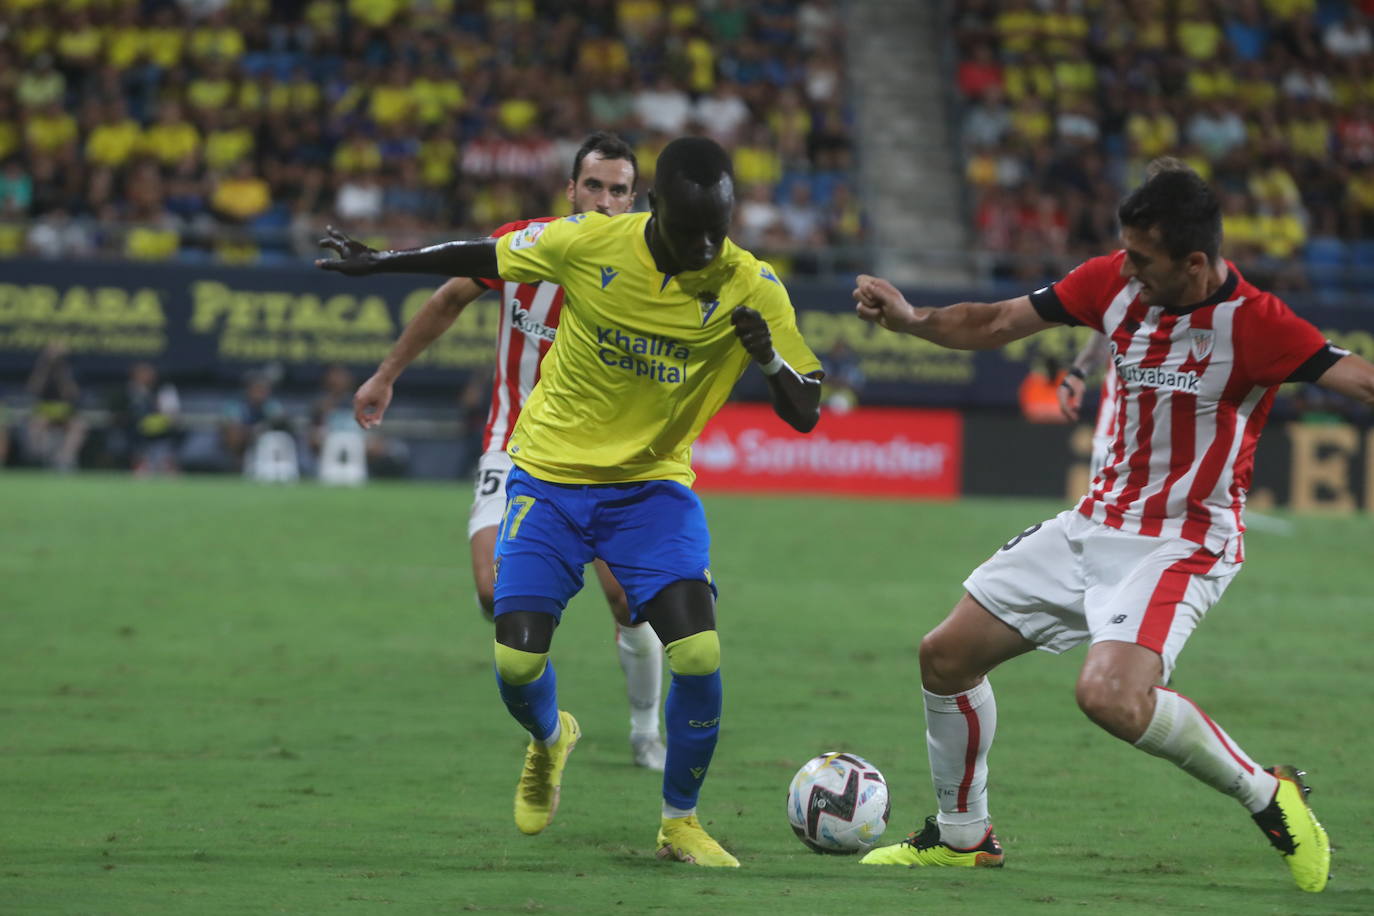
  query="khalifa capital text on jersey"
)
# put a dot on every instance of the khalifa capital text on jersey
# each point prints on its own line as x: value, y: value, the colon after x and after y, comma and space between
x: 662, y: 359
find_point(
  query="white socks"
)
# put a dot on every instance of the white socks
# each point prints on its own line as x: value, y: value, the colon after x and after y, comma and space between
x: 959, y: 731
x: 641, y: 658
x: 1181, y: 733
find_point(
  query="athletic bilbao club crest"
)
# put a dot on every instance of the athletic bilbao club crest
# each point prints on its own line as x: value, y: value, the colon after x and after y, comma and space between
x: 1201, y: 347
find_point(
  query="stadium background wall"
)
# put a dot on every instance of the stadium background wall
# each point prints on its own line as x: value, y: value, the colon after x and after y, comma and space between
x: 1306, y: 467
x: 212, y: 324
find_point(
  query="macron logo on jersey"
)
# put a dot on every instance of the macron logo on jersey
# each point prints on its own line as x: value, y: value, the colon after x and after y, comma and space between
x: 768, y: 275
x: 607, y: 275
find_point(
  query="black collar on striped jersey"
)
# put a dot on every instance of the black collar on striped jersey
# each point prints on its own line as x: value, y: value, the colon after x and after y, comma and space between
x: 1225, y: 291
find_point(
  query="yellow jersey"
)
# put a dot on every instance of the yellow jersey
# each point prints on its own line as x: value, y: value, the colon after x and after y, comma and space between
x: 641, y: 360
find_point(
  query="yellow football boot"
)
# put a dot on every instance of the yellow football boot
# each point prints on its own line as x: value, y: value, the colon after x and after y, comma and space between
x: 536, y: 797
x: 925, y: 848
x: 1293, y: 829
x: 683, y: 839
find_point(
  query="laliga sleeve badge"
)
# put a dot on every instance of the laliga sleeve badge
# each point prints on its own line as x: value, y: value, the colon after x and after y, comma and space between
x: 526, y: 237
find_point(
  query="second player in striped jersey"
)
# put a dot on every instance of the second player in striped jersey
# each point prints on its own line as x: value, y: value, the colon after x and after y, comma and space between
x: 1198, y: 353
x: 603, y: 181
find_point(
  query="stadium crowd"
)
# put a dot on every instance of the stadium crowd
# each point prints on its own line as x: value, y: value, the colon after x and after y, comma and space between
x: 233, y: 130
x: 1065, y: 101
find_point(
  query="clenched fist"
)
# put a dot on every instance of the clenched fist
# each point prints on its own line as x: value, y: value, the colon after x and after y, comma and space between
x: 753, y: 334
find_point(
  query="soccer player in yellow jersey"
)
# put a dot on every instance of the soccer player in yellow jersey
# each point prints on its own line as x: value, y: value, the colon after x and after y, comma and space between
x: 662, y: 314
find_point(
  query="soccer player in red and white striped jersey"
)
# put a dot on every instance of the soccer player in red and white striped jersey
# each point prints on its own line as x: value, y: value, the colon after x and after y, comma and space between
x: 603, y: 179
x: 1198, y: 353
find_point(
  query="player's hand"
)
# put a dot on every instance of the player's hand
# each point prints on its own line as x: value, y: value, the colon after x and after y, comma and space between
x: 880, y: 302
x: 1070, y: 394
x: 752, y: 331
x: 354, y: 258
x: 370, y: 402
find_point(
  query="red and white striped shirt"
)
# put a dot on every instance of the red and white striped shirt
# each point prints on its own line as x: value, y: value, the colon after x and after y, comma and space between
x: 529, y: 323
x: 1194, y: 388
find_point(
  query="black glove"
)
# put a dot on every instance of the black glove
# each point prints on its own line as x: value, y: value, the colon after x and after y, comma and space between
x: 753, y: 334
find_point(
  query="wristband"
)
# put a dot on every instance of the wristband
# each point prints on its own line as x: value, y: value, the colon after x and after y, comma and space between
x: 774, y: 365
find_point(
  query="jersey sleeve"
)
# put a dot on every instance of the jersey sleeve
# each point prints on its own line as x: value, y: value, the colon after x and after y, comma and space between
x: 1083, y: 295
x: 1274, y: 345
x: 495, y: 283
x: 539, y: 251
x: 770, y: 298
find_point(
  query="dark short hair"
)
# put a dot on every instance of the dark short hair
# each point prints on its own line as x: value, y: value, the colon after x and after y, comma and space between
x: 610, y: 146
x: 699, y: 160
x: 1180, y: 206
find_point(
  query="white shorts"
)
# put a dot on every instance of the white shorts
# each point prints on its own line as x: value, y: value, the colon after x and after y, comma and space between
x: 489, y: 491
x: 1071, y: 580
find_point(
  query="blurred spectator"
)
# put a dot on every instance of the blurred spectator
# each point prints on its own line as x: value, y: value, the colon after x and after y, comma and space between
x: 980, y: 72
x: 757, y: 214
x: 332, y: 411
x: 146, y: 417
x: 844, y: 378
x: 242, y: 195
x: 1038, y: 394
x: 801, y: 217
x: 1247, y: 31
x: 988, y: 121
x: 248, y: 417
x: 16, y: 189
x: 662, y: 106
x: 722, y: 113
x: 1349, y: 36
x: 56, y: 430
x: 1216, y: 130
x: 56, y: 235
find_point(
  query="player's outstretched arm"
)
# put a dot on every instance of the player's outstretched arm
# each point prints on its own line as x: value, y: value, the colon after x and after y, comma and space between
x: 1088, y: 360
x: 796, y: 398
x: 434, y: 318
x: 964, y: 326
x: 475, y: 258
x: 1352, y: 376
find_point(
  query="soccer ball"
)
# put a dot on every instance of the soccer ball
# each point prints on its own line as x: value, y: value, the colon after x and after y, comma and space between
x: 838, y: 804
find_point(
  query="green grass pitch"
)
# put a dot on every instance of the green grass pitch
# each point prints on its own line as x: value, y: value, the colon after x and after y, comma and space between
x: 217, y: 697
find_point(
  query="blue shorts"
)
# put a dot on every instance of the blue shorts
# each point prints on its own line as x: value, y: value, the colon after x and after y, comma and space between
x: 650, y: 534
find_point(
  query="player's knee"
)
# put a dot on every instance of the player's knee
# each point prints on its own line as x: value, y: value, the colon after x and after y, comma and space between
x: 1111, y: 705
x: 517, y: 667
x: 695, y: 654
x: 942, y: 668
